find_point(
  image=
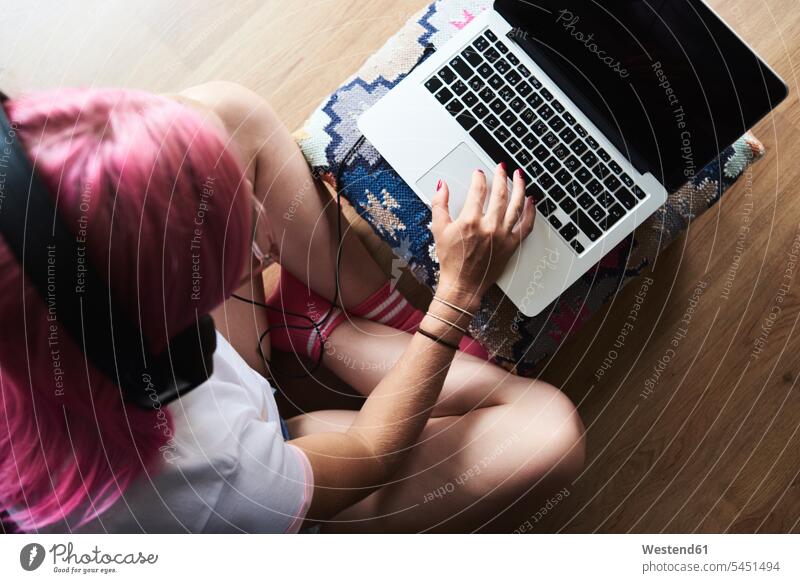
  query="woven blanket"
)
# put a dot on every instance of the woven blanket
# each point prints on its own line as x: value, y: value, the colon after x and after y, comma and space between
x: 330, y: 141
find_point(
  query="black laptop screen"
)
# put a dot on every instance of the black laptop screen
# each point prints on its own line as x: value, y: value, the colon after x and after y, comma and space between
x: 666, y: 80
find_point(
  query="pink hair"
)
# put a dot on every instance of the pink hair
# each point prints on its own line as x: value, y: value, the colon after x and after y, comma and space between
x: 147, y: 178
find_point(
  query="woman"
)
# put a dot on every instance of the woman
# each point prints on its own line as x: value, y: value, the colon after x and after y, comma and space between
x: 444, y: 441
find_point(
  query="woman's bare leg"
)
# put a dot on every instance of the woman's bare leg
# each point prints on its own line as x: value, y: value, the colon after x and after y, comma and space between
x: 301, y: 217
x: 496, y: 446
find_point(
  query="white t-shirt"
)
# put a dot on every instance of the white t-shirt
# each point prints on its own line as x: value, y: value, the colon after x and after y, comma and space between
x: 227, y: 467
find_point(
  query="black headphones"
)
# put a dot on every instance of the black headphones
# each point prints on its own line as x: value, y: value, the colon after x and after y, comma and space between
x: 56, y: 263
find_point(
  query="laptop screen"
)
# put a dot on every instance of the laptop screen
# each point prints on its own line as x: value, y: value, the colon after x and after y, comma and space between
x: 666, y: 80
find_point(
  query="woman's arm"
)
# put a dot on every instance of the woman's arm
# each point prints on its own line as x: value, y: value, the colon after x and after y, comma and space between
x: 472, y: 250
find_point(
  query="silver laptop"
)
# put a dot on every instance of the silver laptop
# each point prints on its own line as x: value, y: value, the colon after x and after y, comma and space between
x: 605, y: 107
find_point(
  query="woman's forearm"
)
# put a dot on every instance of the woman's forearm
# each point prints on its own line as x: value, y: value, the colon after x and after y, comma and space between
x: 349, y: 466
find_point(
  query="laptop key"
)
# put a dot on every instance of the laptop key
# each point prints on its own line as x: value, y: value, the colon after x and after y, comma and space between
x: 502, y: 134
x: 626, y: 198
x: 444, y: 95
x: 513, y: 146
x: 524, y: 89
x: 626, y: 180
x: 508, y: 118
x: 467, y: 120
x: 459, y: 88
x: 539, y: 128
x: 517, y: 104
x: 535, y: 82
x: 568, y: 205
x: 605, y: 199
x: 594, y: 187
x: 557, y: 193
x: 480, y: 110
x: 569, y: 231
x: 496, y: 81
x: 492, y: 122
x: 486, y: 95
x: 575, y: 189
x: 567, y: 135
x: 459, y: 66
x: 490, y: 35
x: 597, y: 213
x: 604, y: 156
x: 546, y: 112
x: 476, y: 84
x: 615, y: 168
x: 601, y: 171
x: 585, y: 201
x: 469, y: 99
x: 561, y: 151
x: 615, y: 213
x: 589, y: 159
x: 578, y: 147
x: 546, y: 181
x: 454, y: 107
x: 472, y: 57
x: 592, y: 142
x: 524, y: 158
x: 569, y: 118
x: 541, y: 152
x: 557, y: 124
x: 586, y: 225
x: 491, y: 55
x: 612, y: 183
x: 577, y: 246
x: 433, y: 84
x: 502, y: 66
x: 524, y: 71
x: 550, y: 139
x: 583, y: 175
x: 535, y: 100
x: 563, y: 176
x: 447, y: 75
x: 546, y: 207
x: 501, y: 47
x: 506, y: 93
x: 535, y: 169
x: 533, y: 191
x: 640, y: 194
x: 554, y: 221
x: 485, y: 71
x: 581, y: 131
x: 557, y: 106
x: 530, y: 141
x: 552, y: 165
x: 498, y: 106
x: 481, y: 44
x: 546, y: 94
x: 512, y: 78
x: 489, y: 144
x: 519, y: 129
x: 572, y: 163
x: 528, y: 116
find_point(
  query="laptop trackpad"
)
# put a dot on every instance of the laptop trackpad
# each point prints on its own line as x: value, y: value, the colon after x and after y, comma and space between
x: 456, y: 169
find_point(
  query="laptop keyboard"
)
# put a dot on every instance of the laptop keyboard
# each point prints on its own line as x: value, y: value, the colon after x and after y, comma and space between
x: 578, y: 187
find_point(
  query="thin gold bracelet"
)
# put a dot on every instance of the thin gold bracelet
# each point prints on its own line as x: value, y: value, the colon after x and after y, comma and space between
x: 455, y: 307
x: 448, y: 322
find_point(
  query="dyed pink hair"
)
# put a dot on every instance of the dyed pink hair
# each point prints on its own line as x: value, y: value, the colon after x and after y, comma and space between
x: 143, y: 173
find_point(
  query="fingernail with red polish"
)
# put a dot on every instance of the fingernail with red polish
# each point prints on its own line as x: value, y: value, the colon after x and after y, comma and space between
x: 503, y: 166
x: 520, y: 174
x: 439, y: 184
x: 479, y: 170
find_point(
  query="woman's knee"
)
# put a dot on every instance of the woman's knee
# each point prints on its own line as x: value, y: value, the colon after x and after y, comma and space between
x: 552, y: 435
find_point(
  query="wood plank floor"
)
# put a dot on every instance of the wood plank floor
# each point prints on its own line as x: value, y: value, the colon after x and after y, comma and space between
x: 700, y: 437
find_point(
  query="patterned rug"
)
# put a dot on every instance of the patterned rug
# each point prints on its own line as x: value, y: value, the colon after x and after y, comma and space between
x: 334, y: 148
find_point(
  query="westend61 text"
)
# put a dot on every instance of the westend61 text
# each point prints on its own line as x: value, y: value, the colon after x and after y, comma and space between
x: 672, y: 550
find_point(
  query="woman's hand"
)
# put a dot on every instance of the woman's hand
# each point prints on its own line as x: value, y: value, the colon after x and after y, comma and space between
x: 473, y: 249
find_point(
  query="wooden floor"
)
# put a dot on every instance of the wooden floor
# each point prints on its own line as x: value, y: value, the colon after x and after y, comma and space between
x: 708, y: 441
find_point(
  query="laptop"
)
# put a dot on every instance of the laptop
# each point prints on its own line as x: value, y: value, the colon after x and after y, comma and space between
x: 605, y: 106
